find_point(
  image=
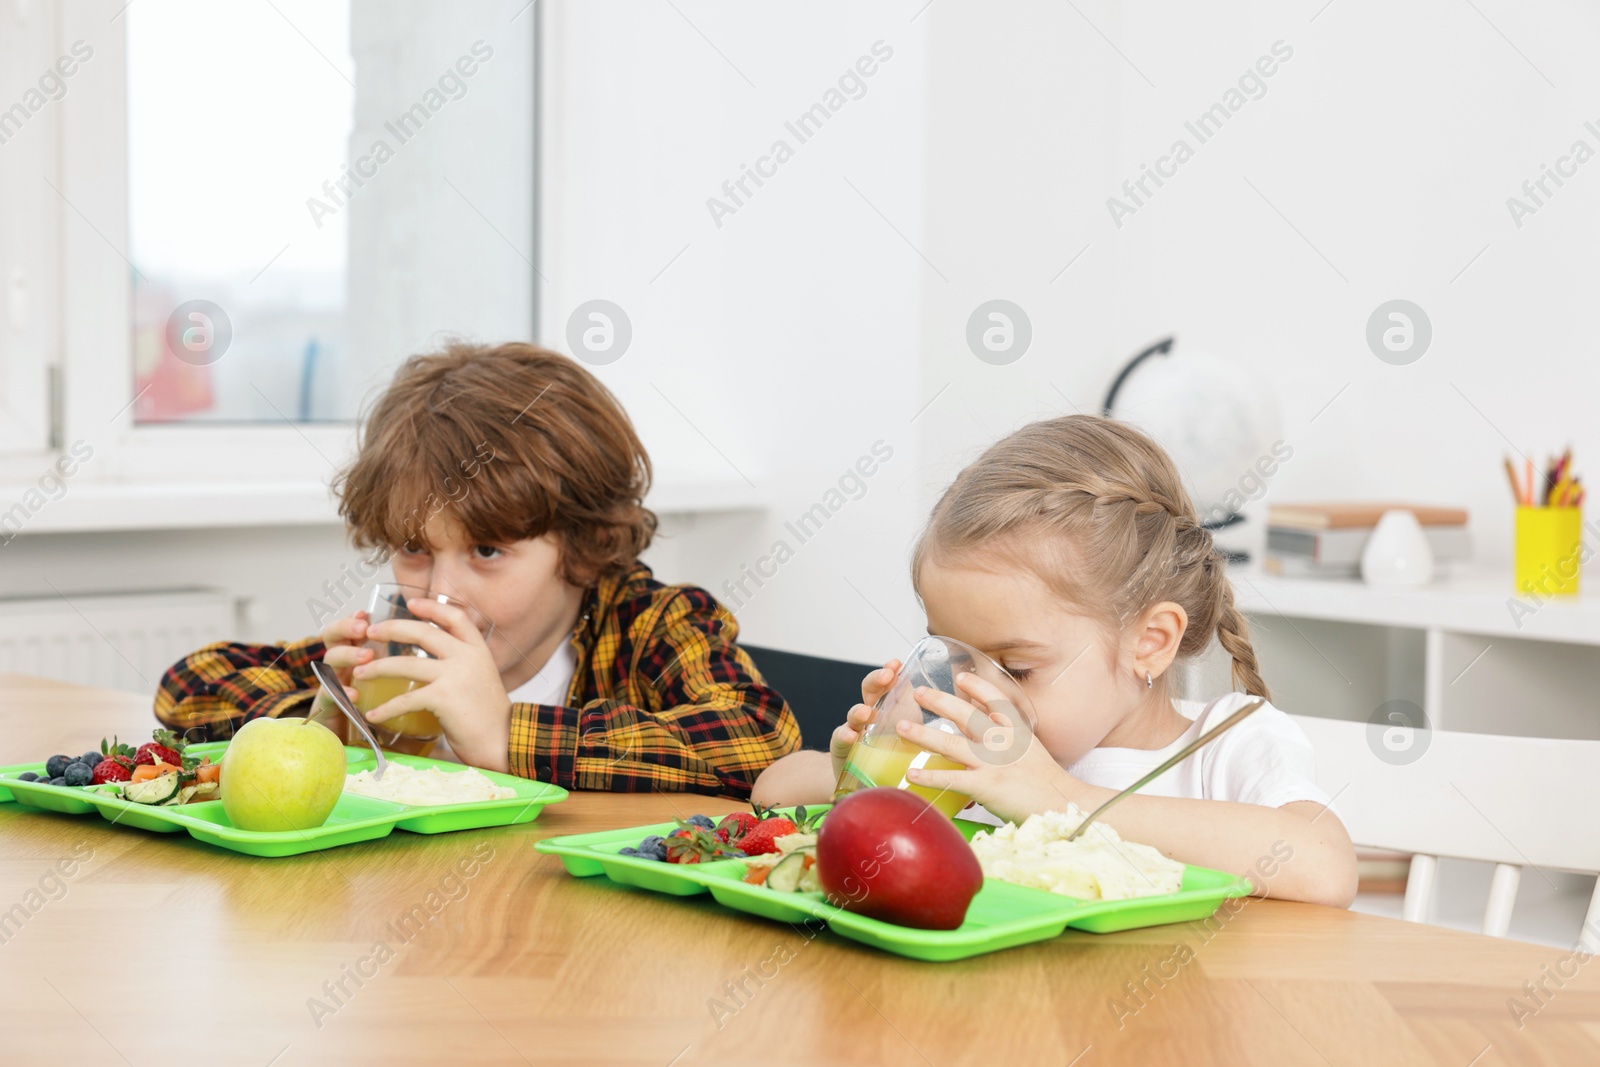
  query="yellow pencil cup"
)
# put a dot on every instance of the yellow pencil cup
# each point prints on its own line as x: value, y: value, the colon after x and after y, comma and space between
x: 1549, y: 550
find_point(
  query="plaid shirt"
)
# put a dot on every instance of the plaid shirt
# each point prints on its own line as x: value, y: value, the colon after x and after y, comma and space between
x: 662, y: 699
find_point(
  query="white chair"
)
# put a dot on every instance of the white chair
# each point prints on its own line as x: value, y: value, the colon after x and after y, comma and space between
x: 1510, y: 801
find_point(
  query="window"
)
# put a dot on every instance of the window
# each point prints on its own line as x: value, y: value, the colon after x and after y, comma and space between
x: 211, y: 152
x: 238, y: 115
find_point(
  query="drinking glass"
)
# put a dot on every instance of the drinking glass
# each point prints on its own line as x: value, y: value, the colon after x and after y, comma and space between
x: 415, y: 732
x: 882, y: 757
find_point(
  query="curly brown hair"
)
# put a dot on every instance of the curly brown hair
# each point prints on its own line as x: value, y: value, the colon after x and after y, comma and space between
x: 517, y: 441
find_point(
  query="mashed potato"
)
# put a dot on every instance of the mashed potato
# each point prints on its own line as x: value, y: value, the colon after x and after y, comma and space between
x: 1097, y: 866
x: 426, y: 786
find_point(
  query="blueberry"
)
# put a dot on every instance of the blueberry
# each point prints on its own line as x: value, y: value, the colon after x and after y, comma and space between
x: 657, y: 852
x: 58, y: 781
x: 651, y: 842
x: 628, y: 852
x: 701, y: 820
x: 55, y: 766
x: 91, y: 758
x: 27, y: 776
x: 78, y: 774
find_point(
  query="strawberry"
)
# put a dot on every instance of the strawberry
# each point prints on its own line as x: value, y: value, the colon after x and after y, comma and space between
x: 151, y: 753
x: 695, y: 844
x: 111, y: 769
x: 733, y: 827
x: 166, y: 748
x: 762, y: 838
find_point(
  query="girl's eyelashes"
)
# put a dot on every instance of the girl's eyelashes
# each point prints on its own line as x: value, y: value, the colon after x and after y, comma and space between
x: 486, y: 552
x: 1021, y: 674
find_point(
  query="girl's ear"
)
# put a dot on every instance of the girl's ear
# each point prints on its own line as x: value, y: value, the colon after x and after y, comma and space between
x: 1157, y: 634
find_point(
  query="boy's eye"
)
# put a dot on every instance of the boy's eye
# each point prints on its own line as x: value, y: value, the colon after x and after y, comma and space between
x: 413, y: 550
x: 485, y: 551
x: 1021, y: 674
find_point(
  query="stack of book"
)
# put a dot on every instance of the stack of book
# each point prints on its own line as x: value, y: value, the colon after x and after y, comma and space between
x: 1325, y: 540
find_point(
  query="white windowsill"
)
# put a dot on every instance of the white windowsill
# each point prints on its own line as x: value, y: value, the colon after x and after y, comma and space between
x: 88, y: 508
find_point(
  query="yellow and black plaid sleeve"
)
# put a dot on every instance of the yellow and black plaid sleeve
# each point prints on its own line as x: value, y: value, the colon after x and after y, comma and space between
x: 212, y: 692
x: 691, y: 713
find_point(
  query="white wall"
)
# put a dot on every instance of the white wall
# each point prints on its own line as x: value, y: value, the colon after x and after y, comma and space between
x: 1376, y: 165
x: 1390, y: 140
x: 782, y: 344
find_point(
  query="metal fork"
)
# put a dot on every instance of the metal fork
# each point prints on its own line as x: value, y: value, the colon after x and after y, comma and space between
x: 331, y: 684
x: 1188, y: 750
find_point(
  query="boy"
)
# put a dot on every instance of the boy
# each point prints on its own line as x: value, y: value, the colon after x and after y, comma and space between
x: 510, y: 478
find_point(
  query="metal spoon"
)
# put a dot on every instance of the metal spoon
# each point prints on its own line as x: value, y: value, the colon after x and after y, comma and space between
x: 333, y: 687
x: 1188, y: 750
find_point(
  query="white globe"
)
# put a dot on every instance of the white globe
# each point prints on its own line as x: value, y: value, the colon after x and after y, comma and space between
x: 1215, y: 418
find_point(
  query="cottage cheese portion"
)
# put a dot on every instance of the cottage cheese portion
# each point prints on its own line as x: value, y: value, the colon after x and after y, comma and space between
x: 421, y: 787
x: 1097, y: 866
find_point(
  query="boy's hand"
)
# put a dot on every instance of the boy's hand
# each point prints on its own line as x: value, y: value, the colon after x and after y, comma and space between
x: 345, y: 639
x: 873, y: 686
x: 459, y: 681
x: 1007, y: 770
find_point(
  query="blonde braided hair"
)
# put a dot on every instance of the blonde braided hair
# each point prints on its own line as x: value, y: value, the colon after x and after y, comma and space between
x: 1097, y: 510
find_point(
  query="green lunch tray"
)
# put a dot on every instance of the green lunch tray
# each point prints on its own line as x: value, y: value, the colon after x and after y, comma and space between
x: 1000, y: 916
x: 354, y: 818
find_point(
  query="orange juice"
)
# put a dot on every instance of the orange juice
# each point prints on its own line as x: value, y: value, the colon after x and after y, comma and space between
x: 873, y: 765
x: 420, y: 728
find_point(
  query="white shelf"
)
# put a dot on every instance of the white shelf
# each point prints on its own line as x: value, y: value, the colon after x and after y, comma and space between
x: 91, y: 508
x: 1471, y: 602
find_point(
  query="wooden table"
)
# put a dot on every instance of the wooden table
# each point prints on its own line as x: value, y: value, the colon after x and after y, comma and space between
x: 157, y: 949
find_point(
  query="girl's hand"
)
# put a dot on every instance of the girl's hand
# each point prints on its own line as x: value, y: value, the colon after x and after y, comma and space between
x: 345, y: 639
x: 1007, y: 770
x: 460, y: 683
x: 873, y: 686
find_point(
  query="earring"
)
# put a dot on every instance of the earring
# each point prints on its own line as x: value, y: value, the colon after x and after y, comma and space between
x: 1149, y: 682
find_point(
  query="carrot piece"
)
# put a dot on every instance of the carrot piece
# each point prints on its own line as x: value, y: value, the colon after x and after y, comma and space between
x: 208, y: 772
x: 757, y: 875
x: 144, y: 772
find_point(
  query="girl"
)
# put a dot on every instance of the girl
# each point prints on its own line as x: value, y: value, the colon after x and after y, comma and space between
x: 1071, y: 553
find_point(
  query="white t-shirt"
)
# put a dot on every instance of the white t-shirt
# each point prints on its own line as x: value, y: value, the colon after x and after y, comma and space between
x: 548, y: 686
x: 1265, y: 759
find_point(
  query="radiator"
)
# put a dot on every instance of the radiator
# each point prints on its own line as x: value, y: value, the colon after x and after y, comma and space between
x: 114, y: 641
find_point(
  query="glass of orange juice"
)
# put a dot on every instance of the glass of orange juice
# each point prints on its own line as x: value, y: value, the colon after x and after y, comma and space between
x: 882, y: 757
x: 415, y: 732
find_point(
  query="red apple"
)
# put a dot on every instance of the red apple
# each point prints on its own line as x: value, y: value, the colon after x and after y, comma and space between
x: 889, y: 854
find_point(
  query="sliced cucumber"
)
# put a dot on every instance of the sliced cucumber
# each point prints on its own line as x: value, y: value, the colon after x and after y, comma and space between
x: 789, y: 873
x: 157, y: 790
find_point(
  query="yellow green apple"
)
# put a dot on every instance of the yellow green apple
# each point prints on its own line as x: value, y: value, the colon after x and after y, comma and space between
x: 282, y: 774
